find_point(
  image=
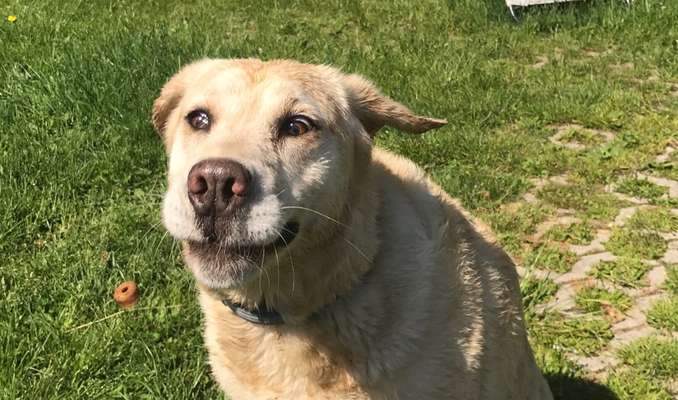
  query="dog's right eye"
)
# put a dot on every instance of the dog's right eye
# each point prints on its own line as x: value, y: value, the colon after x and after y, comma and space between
x: 296, y: 126
x: 199, y: 120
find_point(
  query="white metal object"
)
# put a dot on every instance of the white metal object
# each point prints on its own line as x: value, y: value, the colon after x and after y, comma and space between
x: 524, y: 3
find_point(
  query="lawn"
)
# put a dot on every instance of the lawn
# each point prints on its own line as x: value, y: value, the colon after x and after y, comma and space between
x: 559, y: 136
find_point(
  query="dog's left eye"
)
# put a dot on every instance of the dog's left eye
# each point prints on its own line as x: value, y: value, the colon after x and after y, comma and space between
x: 198, y: 119
x: 296, y: 126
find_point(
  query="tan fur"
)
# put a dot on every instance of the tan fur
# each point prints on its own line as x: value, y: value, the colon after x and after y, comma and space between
x: 389, y: 291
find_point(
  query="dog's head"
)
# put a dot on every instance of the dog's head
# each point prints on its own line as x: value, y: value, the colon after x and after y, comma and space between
x: 262, y: 156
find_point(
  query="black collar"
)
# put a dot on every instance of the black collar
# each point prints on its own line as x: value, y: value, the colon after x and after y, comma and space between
x: 260, y: 315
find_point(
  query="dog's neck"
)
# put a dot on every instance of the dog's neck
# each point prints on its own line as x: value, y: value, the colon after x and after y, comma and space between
x: 302, y: 280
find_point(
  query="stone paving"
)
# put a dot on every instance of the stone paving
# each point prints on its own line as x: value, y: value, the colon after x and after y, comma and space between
x: 631, y: 324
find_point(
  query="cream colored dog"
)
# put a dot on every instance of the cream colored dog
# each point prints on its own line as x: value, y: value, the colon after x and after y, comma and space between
x: 328, y: 269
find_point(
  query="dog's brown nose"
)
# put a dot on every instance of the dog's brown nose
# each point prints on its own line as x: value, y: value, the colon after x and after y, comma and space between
x: 217, y: 185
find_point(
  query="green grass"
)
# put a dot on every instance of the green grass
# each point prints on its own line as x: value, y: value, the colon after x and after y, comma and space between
x: 631, y: 386
x: 642, y: 188
x: 672, y: 279
x: 81, y: 172
x: 666, y: 169
x: 550, y: 257
x: 514, y: 225
x: 583, y: 137
x: 626, y: 242
x: 588, y: 201
x: 610, y: 303
x: 657, y: 219
x: 536, y: 291
x: 664, y: 314
x: 624, y: 271
x: 653, y: 357
x: 578, y: 233
x: 585, y: 335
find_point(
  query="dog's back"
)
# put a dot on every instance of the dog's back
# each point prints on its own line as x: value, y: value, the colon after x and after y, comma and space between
x: 460, y: 309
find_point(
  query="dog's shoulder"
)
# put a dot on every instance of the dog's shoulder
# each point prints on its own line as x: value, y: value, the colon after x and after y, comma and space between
x: 439, y: 217
x: 413, y: 179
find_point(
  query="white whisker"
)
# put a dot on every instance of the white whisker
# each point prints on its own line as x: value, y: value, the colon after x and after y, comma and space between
x: 356, y: 248
x: 277, y: 268
x: 315, y: 212
x: 263, y: 269
x: 353, y: 245
x: 289, y: 253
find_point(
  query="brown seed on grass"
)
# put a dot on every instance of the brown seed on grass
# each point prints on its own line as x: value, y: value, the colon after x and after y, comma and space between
x: 126, y: 294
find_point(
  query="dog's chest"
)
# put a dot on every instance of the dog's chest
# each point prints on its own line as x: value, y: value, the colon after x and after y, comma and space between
x: 254, y: 363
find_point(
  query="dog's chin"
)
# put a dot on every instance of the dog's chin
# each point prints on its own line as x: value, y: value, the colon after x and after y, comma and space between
x: 220, y: 268
x: 219, y: 265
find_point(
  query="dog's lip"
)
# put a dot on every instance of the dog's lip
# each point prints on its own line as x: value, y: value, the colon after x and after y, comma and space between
x: 285, y: 237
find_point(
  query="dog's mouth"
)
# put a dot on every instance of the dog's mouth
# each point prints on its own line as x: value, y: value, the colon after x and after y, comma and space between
x: 218, y: 263
x: 285, y: 237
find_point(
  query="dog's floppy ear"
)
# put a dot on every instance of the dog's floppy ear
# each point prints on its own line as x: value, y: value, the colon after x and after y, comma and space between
x: 374, y: 110
x: 171, y: 94
x: 169, y: 98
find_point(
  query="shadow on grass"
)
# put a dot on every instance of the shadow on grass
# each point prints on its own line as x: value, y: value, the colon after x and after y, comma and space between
x: 568, y: 388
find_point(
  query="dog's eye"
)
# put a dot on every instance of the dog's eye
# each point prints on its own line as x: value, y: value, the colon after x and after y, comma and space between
x: 199, y: 119
x: 296, y: 126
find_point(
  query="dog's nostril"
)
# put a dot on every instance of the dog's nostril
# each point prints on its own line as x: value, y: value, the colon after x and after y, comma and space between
x: 197, y: 185
x: 238, y: 187
x: 228, y: 188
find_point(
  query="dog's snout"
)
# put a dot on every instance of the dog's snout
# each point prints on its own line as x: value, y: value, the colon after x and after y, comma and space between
x: 218, y: 185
